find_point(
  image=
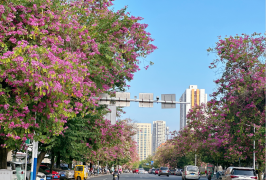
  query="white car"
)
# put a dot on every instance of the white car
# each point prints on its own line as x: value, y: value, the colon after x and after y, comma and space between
x: 191, y: 172
x: 141, y: 171
x: 236, y: 173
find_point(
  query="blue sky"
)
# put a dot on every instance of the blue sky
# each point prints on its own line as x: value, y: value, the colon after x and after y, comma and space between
x: 183, y: 30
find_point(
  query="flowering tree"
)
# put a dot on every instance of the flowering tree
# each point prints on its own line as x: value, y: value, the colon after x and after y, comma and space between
x: 55, y: 56
x: 163, y: 155
x: 121, y: 149
x: 225, y: 126
x: 239, y: 102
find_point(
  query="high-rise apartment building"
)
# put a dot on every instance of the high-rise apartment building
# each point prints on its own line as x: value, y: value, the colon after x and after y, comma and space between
x: 158, y: 134
x: 194, y: 96
x: 143, y: 139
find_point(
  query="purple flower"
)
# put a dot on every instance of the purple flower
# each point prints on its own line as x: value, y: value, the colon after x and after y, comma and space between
x: 6, y: 106
x: 2, y: 9
x: 68, y: 38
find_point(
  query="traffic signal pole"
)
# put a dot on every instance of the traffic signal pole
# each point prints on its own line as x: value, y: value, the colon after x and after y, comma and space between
x: 139, y: 100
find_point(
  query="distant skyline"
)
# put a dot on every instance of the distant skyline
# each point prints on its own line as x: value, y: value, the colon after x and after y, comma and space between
x: 183, y: 31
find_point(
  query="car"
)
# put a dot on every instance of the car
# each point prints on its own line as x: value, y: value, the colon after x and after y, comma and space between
x: 156, y: 171
x: 126, y: 171
x: 49, y: 176
x: 172, y: 172
x: 141, y: 171
x: 235, y: 173
x: 190, y: 172
x: 55, y: 174
x: 153, y: 171
x: 69, y: 174
x: 61, y: 172
x: 264, y: 176
x: 136, y: 171
x: 178, y: 172
x: 164, y: 171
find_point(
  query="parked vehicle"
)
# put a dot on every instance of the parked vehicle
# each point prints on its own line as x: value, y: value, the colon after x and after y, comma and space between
x: 191, y: 172
x: 80, y: 172
x: 55, y: 174
x: 19, y: 171
x: 141, y: 171
x: 172, y: 172
x: 178, y: 172
x: 153, y: 171
x: 149, y: 171
x: 69, y: 174
x: 95, y: 172
x: 235, y: 173
x: 136, y: 171
x: 219, y: 175
x: 156, y: 171
x: 13, y: 166
x: 49, y: 176
x: 61, y: 172
x: 164, y: 171
x: 106, y: 171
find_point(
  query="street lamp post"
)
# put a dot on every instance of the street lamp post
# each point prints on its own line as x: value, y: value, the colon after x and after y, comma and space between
x: 195, y: 159
x: 254, y: 161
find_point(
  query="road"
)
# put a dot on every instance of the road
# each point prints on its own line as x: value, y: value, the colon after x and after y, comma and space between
x: 130, y: 176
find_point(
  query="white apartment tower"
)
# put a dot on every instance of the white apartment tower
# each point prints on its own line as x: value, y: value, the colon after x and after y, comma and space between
x: 158, y: 134
x: 143, y: 139
x: 193, y: 95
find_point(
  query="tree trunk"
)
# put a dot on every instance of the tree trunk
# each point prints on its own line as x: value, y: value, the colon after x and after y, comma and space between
x: 3, y: 157
x: 52, y: 162
x: 39, y: 160
x: 259, y: 175
x: 58, y: 160
x: 70, y: 163
x: 260, y: 170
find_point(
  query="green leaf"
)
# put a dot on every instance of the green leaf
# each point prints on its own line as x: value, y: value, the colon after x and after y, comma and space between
x: 4, y: 17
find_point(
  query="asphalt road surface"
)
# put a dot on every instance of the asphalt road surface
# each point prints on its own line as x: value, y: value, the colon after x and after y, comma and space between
x: 130, y: 176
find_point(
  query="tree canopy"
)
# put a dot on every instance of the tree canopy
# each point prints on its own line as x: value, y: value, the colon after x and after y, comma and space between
x: 55, y: 56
